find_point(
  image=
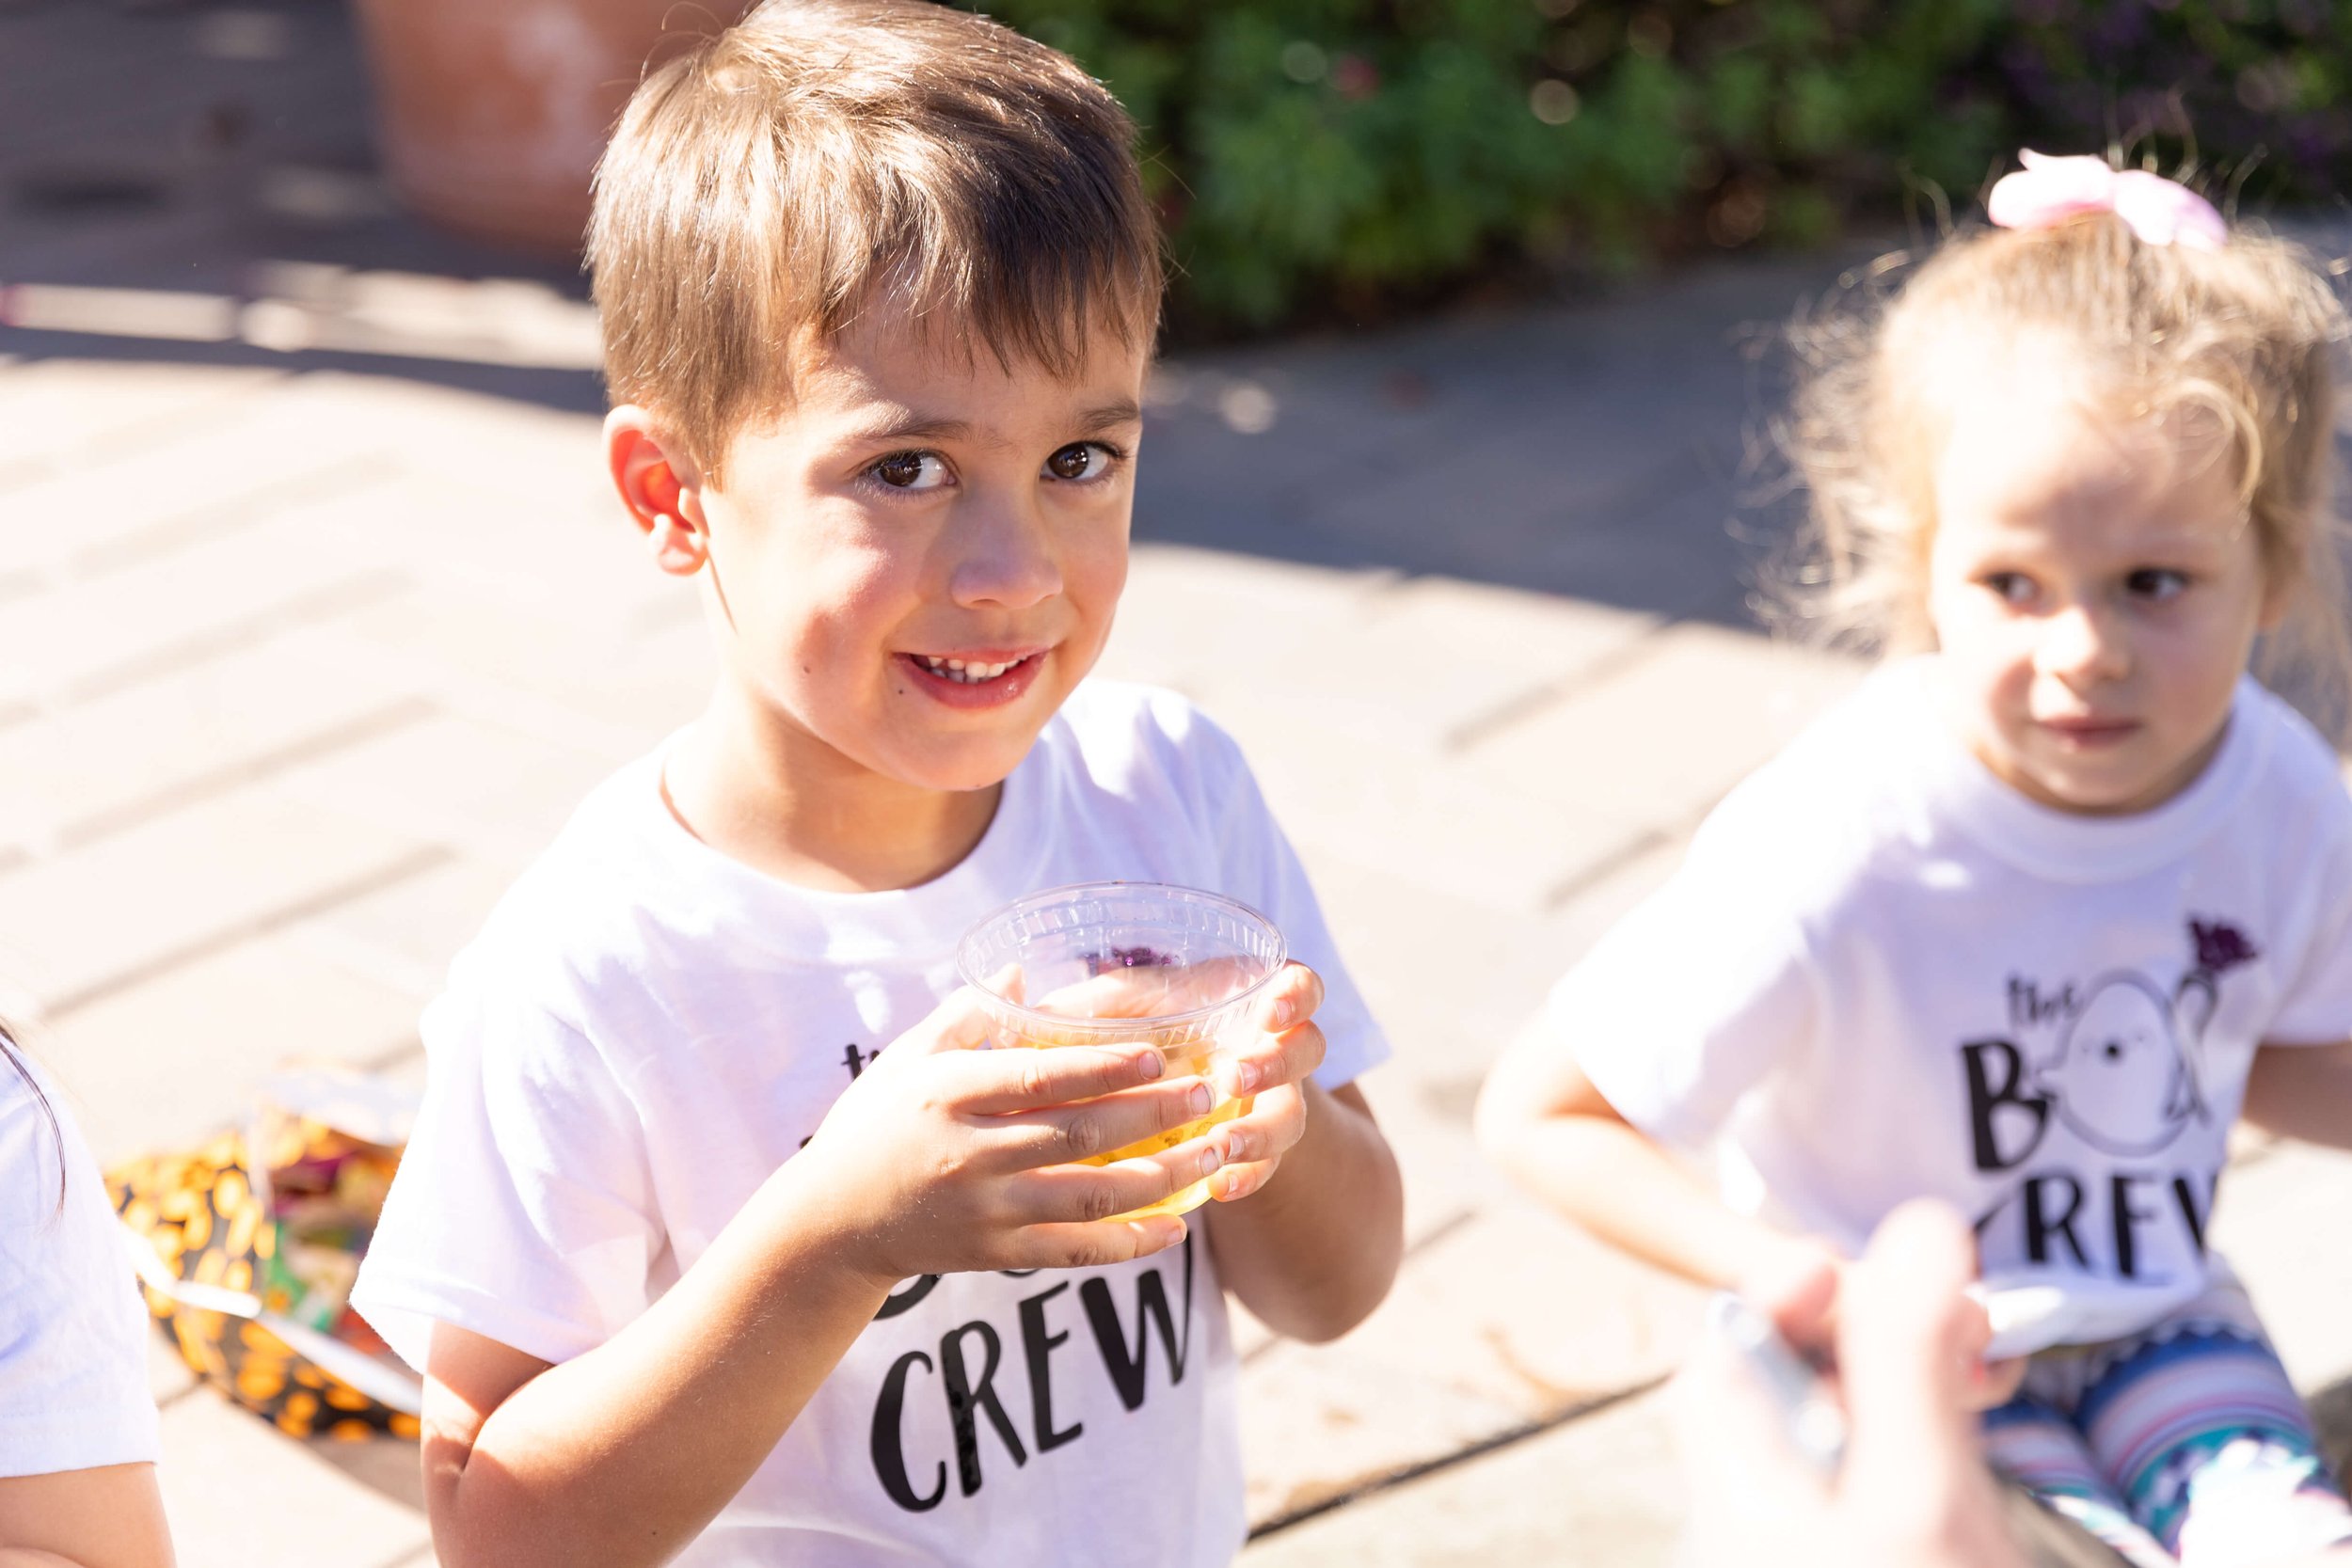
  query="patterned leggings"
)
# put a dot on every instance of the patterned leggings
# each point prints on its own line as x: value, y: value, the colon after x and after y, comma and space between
x: 2182, y: 1446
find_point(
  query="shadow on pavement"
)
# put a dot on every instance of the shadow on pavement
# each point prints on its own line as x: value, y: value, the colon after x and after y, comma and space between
x: 384, y: 1465
x: 197, y: 184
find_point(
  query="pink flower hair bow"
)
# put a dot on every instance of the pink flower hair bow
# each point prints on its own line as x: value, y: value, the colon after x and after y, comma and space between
x: 2048, y: 191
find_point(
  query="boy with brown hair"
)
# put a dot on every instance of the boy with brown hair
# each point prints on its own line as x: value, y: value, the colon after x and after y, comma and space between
x: 696, y: 1272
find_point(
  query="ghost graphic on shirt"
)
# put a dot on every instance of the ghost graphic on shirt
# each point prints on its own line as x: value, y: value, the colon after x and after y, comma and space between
x: 2125, y: 1078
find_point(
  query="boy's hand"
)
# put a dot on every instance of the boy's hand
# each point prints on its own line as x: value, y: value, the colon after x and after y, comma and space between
x: 947, y: 1157
x: 1275, y: 1068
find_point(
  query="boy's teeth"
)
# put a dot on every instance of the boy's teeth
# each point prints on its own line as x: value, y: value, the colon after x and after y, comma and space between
x: 965, y: 673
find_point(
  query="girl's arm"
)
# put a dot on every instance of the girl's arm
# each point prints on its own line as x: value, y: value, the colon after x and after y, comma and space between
x: 2302, y: 1091
x: 1542, y: 1120
x: 108, y: 1517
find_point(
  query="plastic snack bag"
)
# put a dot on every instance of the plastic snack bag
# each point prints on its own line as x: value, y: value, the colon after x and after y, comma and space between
x: 248, y: 1247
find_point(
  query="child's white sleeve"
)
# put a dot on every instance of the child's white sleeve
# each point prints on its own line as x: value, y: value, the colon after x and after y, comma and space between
x: 2315, y: 1007
x: 73, y: 1332
x: 523, y: 1209
x: 1690, y: 1001
x: 1259, y: 868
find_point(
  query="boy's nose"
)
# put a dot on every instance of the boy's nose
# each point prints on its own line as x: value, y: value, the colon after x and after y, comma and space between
x: 2077, y: 645
x: 1007, y: 558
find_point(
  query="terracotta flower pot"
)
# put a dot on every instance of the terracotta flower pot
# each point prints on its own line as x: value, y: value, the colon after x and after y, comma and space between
x: 491, y: 113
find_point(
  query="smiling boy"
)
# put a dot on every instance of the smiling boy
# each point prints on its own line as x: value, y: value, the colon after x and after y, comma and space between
x: 695, y: 1269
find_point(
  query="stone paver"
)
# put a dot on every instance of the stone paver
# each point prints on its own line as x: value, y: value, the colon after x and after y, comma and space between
x: 401, y: 934
x: 1507, y: 1319
x: 1673, y: 728
x: 214, y: 477
x: 1600, y: 1490
x: 77, y: 924
x: 102, y: 633
x: 71, y: 772
x: 2277, y: 1217
x: 154, y: 1063
x: 309, y: 1512
x: 60, y: 416
x: 305, y: 651
x: 476, y: 787
x: 1348, y: 797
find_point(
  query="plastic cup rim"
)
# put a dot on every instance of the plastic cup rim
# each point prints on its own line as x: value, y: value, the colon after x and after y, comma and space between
x: 1110, y: 1025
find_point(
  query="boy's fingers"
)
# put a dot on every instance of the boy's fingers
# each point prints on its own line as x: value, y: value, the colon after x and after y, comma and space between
x: 1253, y: 1145
x: 1277, y: 1121
x: 1290, y: 1000
x: 1001, y: 1083
x: 1140, y: 992
x: 1284, y: 1058
x: 1088, y: 1246
x: 1058, y: 1135
x: 1232, y: 1183
x: 1067, y: 1195
x: 1150, y: 990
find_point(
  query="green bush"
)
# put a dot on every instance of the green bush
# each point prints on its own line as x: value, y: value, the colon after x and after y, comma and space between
x: 1323, y: 158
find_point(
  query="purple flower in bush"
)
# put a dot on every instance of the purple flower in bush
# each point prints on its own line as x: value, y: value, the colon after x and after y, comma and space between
x: 2220, y: 947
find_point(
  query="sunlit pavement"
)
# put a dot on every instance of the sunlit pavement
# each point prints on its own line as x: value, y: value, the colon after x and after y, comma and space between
x: 317, y: 619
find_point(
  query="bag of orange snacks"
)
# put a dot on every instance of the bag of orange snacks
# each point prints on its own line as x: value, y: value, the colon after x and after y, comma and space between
x: 248, y: 1247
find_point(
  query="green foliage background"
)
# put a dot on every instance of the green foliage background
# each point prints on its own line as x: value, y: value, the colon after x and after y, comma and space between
x: 1320, y: 159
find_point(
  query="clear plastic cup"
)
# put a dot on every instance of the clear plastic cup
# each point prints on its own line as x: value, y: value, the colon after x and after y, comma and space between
x: 1122, y: 963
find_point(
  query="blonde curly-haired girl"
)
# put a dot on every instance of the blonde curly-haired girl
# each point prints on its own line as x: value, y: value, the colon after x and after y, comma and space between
x: 2032, y: 920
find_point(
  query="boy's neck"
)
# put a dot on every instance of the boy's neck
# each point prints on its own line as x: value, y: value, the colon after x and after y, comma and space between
x: 805, y: 815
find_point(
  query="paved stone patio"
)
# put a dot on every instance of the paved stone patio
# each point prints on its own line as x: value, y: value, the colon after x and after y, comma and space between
x: 315, y: 619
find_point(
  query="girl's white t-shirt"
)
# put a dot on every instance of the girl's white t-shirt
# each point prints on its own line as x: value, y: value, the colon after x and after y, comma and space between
x: 646, y: 1029
x: 1883, y: 973
x: 73, y: 1389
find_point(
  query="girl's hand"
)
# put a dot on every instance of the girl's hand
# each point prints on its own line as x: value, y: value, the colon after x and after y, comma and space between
x: 1275, y: 1068
x: 942, y: 1157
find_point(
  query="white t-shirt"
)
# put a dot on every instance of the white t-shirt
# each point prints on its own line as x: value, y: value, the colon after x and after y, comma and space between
x: 73, y: 1391
x: 1883, y: 973
x: 646, y: 1029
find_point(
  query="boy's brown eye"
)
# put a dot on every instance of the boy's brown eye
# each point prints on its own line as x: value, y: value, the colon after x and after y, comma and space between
x: 1081, y: 460
x: 902, y: 470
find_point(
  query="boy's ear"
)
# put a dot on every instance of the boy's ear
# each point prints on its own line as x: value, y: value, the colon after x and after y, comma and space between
x: 660, y: 487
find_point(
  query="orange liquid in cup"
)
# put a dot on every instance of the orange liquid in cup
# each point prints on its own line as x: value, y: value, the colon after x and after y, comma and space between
x: 1182, y: 1061
x: 1126, y: 964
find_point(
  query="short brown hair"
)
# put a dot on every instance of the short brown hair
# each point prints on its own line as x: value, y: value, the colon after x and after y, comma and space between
x: 822, y: 158
x: 2245, y: 336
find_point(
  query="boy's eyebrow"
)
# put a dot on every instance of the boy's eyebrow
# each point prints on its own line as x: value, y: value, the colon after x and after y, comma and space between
x: 1110, y: 415
x: 919, y: 427
x: 914, y: 427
